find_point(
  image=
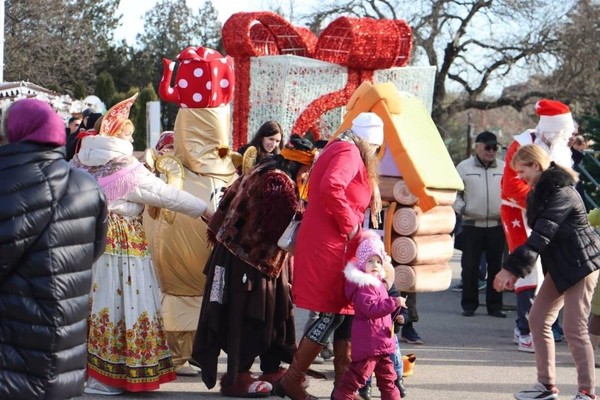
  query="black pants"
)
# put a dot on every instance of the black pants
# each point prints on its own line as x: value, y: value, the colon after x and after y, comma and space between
x: 328, y: 324
x: 475, y: 242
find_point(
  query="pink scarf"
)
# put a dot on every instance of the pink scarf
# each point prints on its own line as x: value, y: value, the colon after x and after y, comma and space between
x: 122, y: 182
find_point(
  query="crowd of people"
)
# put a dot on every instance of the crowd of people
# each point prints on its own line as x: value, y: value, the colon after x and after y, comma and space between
x: 76, y: 248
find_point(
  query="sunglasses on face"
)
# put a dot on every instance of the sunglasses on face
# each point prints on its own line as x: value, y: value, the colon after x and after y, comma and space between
x: 490, y: 147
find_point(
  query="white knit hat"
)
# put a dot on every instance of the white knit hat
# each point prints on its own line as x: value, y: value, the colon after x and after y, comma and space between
x: 368, y: 126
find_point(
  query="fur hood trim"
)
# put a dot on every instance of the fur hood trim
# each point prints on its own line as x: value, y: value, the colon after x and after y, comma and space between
x: 556, y: 175
x: 551, y: 179
x: 358, y: 277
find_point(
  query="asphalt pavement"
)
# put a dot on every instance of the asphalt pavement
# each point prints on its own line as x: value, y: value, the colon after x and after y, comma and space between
x: 465, y: 358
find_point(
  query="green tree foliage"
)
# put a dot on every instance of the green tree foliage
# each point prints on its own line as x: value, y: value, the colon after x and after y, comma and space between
x: 105, y: 86
x: 139, y: 119
x: 118, y: 61
x: 79, y: 90
x: 171, y: 26
x: 56, y: 43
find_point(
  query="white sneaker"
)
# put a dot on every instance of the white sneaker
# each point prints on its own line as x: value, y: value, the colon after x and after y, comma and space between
x: 318, y: 360
x: 538, y: 392
x: 94, y: 386
x: 583, y: 396
x: 526, y: 344
x: 186, y: 369
x: 516, y: 335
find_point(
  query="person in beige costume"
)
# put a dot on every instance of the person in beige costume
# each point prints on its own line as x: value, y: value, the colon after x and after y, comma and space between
x: 200, y: 163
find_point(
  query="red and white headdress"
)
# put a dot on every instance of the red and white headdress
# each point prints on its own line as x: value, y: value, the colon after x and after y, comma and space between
x: 115, y: 117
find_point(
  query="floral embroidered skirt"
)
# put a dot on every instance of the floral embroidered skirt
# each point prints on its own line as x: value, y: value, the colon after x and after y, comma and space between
x: 127, y: 345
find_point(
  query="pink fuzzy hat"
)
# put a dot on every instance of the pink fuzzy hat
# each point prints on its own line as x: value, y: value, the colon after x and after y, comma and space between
x: 370, y: 244
x: 31, y: 120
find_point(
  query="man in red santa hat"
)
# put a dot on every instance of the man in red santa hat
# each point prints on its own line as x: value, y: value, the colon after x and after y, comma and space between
x: 552, y: 133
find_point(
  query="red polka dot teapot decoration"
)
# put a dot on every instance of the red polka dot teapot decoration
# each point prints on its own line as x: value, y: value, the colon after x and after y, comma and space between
x: 205, y: 79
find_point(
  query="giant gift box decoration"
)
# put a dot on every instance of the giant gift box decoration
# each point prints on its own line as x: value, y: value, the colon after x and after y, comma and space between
x: 287, y: 74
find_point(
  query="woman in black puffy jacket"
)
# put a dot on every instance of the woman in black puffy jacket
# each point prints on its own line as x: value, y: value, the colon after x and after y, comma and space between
x: 52, y: 229
x: 570, y: 251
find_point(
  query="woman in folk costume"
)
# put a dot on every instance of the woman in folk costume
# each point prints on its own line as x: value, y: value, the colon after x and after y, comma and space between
x: 342, y: 183
x: 247, y: 308
x: 127, y: 348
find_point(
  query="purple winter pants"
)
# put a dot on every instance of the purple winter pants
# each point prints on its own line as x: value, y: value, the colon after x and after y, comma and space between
x: 358, y: 372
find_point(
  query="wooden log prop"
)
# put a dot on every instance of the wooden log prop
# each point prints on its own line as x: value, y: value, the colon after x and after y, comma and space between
x: 393, y: 188
x: 405, y: 277
x: 421, y: 250
x: 404, y: 250
x: 426, y: 278
x: 408, y: 221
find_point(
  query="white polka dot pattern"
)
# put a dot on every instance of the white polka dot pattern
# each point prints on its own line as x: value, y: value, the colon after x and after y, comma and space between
x: 205, y: 79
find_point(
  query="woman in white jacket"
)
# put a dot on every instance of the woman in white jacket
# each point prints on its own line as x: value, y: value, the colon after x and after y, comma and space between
x: 127, y: 347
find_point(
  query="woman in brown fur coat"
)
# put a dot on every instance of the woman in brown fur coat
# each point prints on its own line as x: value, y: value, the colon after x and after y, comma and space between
x: 247, y: 308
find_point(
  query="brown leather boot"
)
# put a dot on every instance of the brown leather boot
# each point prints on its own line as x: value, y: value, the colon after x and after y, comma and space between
x: 292, y: 383
x: 341, y: 358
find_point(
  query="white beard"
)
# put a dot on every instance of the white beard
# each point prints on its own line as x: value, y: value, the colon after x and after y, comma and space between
x: 558, y: 150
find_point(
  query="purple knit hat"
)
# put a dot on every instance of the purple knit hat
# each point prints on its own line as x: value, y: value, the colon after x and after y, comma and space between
x: 370, y: 244
x: 31, y: 120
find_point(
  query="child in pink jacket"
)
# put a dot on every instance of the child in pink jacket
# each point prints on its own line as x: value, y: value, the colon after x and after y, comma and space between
x: 372, y: 329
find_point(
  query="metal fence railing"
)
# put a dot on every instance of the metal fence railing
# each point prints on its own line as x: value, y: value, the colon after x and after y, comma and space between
x: 588, y: 165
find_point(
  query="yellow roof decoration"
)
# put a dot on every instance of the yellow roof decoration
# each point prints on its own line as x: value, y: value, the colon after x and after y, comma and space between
x: 411, y: 137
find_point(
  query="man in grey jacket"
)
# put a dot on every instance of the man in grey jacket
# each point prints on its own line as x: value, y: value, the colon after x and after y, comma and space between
x: 479, y: 206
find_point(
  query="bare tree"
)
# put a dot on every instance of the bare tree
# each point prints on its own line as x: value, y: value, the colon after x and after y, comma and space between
x: 579, y: 68
x: 56, y: 43
x: 478, y: 46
